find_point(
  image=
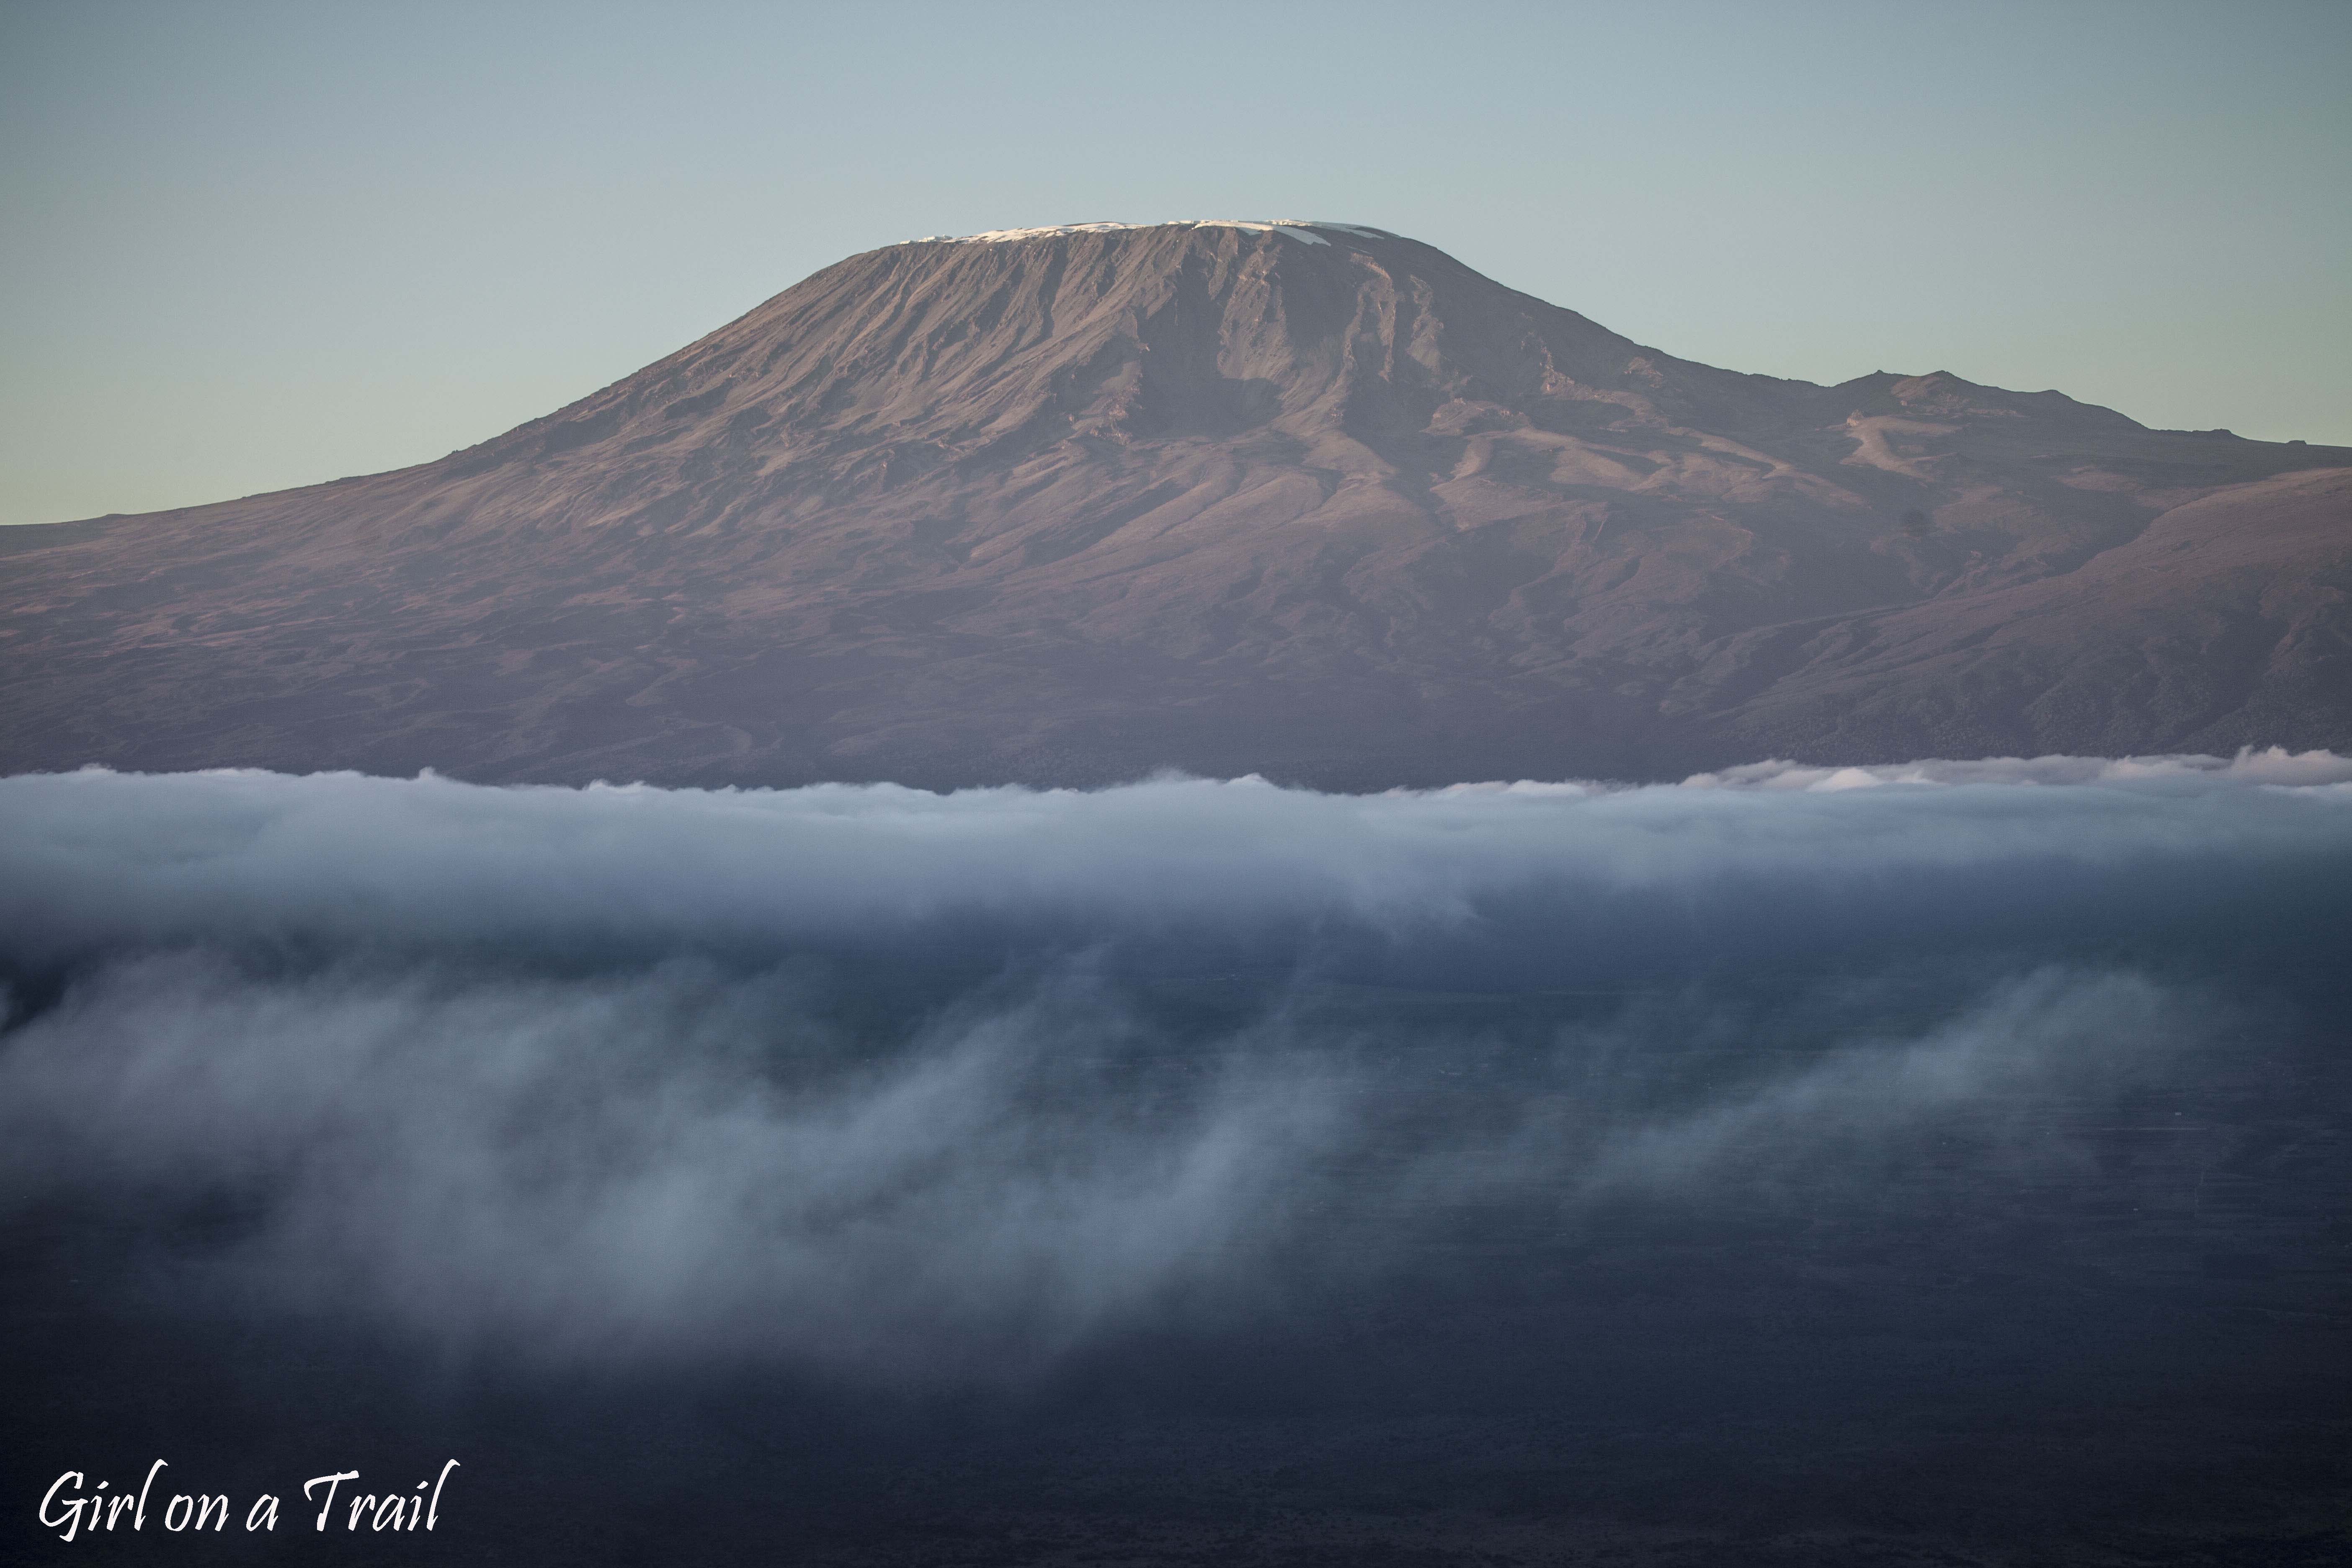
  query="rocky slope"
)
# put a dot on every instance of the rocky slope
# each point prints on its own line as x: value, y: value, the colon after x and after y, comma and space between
x: 1313, y: 501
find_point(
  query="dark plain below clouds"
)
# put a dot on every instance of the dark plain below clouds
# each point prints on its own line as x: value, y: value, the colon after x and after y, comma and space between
x: 1952, y: 1154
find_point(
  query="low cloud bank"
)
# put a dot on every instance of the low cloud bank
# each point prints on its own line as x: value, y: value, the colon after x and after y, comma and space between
x: 2273, y: 765
x: 96, y: 862
x: 920, y: 1089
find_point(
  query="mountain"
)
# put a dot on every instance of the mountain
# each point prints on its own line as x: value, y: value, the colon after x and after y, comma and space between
x: 1304, y: 499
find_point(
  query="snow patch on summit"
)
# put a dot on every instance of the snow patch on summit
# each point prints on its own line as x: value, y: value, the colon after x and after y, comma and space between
x: 1298, y: 228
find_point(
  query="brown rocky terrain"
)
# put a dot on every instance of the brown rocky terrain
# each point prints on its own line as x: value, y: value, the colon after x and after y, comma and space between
x: 1313, y: 501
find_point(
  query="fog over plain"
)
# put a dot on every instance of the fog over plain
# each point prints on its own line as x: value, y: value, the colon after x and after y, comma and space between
x: 920, y: 1091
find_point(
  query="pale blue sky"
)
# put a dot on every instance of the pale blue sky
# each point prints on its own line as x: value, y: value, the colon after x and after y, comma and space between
x: 251, y: 246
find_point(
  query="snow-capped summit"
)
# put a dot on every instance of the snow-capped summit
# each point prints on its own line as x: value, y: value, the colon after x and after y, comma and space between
x: 1299, y: 229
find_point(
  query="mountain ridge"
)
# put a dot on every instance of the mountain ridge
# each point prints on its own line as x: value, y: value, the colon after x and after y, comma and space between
x: 1309, y: 500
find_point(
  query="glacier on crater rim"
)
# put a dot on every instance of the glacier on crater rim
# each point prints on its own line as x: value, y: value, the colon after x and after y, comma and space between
x: 1298, y: 228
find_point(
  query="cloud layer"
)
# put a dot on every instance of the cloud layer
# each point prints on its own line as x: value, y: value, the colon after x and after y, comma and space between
x: 908, y: 1088
x: 94, y: 861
